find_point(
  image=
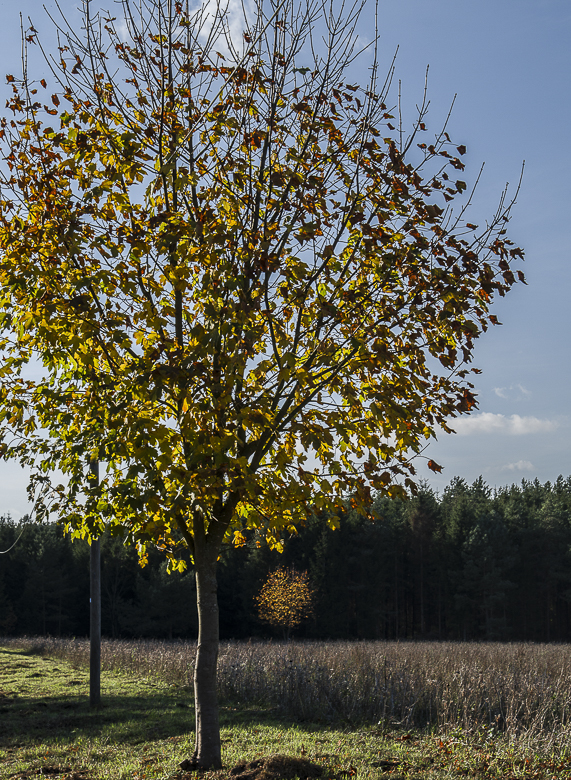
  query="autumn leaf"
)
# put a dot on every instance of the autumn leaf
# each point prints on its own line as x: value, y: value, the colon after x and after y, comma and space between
x: 285, y: 600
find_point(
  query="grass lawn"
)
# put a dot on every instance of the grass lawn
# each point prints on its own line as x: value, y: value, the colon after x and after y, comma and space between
x: 144, y: 730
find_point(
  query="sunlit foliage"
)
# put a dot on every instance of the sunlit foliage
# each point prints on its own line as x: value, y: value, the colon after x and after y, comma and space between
x: 286, y: 599
x: 238, y: 282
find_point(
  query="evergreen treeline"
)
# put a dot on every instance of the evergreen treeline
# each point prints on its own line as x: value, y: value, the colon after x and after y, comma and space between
x: 471, y: 564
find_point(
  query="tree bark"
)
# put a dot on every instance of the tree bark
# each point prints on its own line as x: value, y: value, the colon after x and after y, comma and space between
x: 95, y: 625
x: 207, y: 754
x: 95, y: 610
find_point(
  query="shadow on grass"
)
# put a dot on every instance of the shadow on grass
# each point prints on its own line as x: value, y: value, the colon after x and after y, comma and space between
x: 246, y: 717
x: 56, y: 714
x: 65, y: 719
x: 130, y: 719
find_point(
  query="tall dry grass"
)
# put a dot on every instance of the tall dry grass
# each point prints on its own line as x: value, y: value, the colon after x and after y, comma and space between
x: 521, y: 690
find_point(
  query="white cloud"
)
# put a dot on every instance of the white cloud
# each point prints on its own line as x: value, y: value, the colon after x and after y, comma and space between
x: 224, y: 22
x: 500, y: 392
x: 520, y: 465
x: 515, y: 425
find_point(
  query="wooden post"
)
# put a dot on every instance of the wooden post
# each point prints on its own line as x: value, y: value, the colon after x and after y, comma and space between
x: 95, y: 611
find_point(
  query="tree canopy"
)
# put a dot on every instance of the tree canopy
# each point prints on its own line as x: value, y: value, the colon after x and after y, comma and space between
x: 245, y: 288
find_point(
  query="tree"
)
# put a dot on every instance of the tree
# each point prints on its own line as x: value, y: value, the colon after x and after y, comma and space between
x: 285, y: 600
x: 422, y: 518
x: 238, y: 279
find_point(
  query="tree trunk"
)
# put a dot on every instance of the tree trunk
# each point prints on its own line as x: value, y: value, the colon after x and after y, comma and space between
x: 95, y: 609
x: 95, y: 624
x: 207, y: 749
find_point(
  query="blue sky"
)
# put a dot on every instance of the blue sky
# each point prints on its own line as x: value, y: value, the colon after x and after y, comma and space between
x: 509, y: 64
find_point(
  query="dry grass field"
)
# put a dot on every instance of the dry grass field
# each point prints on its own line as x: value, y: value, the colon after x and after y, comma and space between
x: 522, y: 690
x: 372, y: 709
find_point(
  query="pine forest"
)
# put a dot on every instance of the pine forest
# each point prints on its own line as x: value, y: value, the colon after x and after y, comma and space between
x: 470, y: 564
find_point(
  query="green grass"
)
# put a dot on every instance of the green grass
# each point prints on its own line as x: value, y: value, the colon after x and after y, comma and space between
x: 144, y: 730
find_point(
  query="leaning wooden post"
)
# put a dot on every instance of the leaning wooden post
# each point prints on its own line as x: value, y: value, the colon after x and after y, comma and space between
x: 95, y: 610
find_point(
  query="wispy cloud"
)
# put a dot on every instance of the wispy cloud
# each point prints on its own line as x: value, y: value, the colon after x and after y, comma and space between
x: 524, y: 391
x: 517, y: 392
x: 520, y: 465
x: 514, y: 425
x: 122, y: 29
x: 501, y: 392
